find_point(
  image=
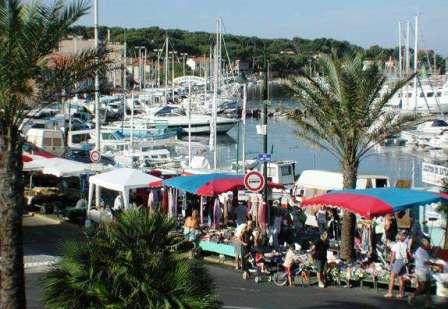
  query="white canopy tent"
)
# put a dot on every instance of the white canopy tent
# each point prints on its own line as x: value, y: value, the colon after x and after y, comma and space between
x: 121, y: 180
x: 58, y: 167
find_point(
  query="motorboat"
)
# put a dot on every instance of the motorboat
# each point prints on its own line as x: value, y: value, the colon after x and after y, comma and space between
x: 175, y: 117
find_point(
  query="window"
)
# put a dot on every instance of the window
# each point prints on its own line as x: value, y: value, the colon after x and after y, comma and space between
x: 408, y: 95
x: 79, y: 138
x: 47, y: 141
x: 430, y: 94
x: 286, y: 170
x: 381, y: 182
x: 439, y: 94
x: 57, y: 142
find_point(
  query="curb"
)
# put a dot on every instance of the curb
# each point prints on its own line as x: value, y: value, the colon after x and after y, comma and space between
x: 218, y: 261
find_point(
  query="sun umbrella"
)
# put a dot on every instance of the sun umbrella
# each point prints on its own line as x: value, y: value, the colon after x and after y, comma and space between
x: 370, y: 203
x: 210, y: 184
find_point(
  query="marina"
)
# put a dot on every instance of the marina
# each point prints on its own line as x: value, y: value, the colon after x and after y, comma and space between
x: 195, y: 169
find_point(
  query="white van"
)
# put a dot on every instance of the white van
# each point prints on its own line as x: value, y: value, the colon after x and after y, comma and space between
x: 47, y: 139
x: 316, y: 182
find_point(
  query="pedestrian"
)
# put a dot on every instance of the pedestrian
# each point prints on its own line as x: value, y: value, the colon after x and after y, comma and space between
x: 398, y: 261
x: 290, y: 260
x: 191, y: 227
x: 422, y: 272
x: 319, y: 254
x: 242, y: 244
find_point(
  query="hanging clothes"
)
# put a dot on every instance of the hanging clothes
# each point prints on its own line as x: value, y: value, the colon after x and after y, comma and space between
x: 225, y: 210
x: 365, y: 239
x: 201, y: 210
x: 151, y: 200
x: 175, y: 195
x: 262, y: 218
x: 164, y: 202
x: 217, y: 214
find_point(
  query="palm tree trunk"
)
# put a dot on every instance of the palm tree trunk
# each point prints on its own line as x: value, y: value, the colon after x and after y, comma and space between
x: 12, y: 281
x: 350, y: 174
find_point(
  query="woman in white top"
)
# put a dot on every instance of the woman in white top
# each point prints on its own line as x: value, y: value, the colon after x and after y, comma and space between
x: 398, y: 261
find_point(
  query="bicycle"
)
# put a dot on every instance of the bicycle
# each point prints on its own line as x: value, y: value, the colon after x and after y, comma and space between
x: 300, y: 276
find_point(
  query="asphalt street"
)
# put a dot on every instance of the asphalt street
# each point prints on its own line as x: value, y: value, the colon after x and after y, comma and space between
x: 43, y: 239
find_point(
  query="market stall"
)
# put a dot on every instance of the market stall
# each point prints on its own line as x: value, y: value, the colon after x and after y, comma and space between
x: 211, y: 189
x: 122, y: 180
x: 369, y: 204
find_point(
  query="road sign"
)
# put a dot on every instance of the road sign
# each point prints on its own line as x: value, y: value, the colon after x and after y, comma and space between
x: 264, y: 157
x: 254, y: 181
x: 95, y: 156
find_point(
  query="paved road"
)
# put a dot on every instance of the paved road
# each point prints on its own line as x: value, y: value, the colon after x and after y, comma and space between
x: 237, y: 293
x: 43, y: 238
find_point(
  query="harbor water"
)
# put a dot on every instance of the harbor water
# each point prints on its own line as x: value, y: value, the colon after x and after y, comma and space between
x: 394, y: 162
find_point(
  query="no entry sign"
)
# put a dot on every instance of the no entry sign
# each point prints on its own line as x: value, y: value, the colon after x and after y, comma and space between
x: 254, y: 181
x: 95, y: 156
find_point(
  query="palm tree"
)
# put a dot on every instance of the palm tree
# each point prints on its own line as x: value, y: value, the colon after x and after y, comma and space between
x: 134, y: 262
x: 343, y: 113
x: 30, y: 73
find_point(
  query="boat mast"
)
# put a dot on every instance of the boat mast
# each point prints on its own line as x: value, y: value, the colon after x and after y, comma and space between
x: 97, y: 81
x: 400, y: 60
x: 189, y: 124
x: 243, y: 118
x: 166, y: 68
x: 415, y: 62
x: 213, y: 134
x: 131, y: 148
x: 408, y: 62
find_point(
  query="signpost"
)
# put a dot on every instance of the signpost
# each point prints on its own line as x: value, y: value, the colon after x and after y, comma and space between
x: 95, y: 156
x: 434, y: 174
x: 254, y: 181
x: 264, y: 157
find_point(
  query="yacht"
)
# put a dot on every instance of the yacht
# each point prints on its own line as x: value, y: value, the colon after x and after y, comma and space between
x: 422, y: 134
x: 430, y: 99
x: 175, y: 117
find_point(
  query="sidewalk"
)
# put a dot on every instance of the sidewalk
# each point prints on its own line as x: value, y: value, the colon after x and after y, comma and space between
x: 42, y: 241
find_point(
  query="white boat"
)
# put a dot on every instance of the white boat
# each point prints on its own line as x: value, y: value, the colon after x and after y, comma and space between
x: 430, y: 99
x: 176, y: 118
x: 423, y: 134
x: 147, y: 159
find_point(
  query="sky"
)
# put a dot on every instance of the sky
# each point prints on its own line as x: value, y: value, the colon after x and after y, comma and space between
x: 362, y: 22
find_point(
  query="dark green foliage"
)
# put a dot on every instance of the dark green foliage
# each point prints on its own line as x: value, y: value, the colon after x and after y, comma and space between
x: 343, y: 111
x: 135, y: 262
x: 286, y: 55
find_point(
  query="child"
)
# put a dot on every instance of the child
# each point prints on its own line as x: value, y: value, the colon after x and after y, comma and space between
x: 290, y: 259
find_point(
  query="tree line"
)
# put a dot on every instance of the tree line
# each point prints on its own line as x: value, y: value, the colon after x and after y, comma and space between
x: 285, y: 55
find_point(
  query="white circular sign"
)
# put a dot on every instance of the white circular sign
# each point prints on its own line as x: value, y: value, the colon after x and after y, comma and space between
x: 254, y: 181
x: 95, y: 156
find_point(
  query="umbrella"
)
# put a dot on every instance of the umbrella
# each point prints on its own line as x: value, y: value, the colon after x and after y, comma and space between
x: 210, y: 184
x: 373, y: 202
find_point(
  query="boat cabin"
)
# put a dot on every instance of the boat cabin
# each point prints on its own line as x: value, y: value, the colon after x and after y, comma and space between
x: 47, y: 139
x: 316, y: 182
